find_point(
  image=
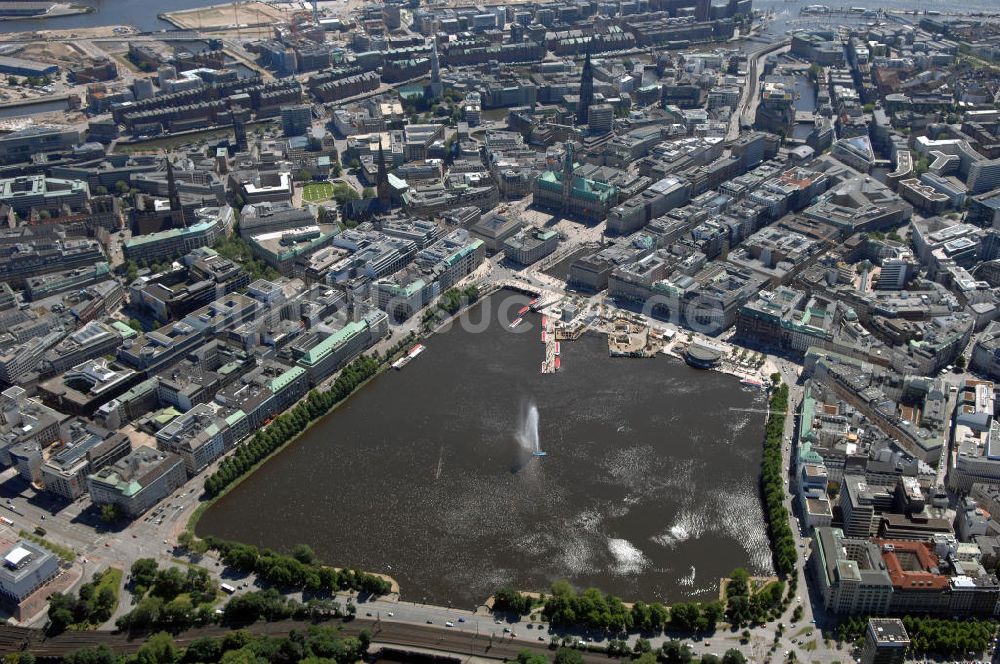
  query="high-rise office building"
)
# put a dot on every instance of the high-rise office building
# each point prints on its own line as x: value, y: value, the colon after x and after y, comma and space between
x: 886, y: 642
x: 296, y: 119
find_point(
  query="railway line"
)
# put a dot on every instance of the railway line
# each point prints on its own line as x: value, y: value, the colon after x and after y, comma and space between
x: 398, y: 634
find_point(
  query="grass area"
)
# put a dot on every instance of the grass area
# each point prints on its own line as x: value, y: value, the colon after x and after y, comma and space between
x: 809, y: 647
x: 317, y: 191
x: 111, y: 579
x: 69, y: 555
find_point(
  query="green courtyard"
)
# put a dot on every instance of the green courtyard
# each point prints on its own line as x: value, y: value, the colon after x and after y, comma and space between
x: 315, y: 192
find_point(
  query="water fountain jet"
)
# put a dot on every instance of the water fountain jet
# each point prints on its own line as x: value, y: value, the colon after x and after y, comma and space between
x: 528, y: 434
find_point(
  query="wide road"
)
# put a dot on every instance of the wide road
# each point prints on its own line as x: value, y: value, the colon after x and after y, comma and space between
x: 748, y: 96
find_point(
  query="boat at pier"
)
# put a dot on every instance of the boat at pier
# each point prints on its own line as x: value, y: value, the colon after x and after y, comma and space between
x: 416, y: 350
x: 401, y: 362
x: 523, y: 310
x: 517, y: 322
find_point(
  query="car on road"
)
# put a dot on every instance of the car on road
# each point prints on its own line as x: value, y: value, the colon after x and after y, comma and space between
x: 449, y: 624
x: 430, y: 622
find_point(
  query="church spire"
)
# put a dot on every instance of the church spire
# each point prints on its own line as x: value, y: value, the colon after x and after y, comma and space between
x: 436, y: 87
x: 176, y: 209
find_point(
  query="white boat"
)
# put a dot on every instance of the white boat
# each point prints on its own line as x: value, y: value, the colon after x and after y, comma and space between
x: 416, y: 350
x: 517, y: 322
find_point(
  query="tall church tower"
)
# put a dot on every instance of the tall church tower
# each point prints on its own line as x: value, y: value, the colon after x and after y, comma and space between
x: 436, y: 87
x: 176, y: 209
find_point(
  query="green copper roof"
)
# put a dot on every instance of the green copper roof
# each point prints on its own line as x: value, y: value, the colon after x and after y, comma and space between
x: 318, y: 352
x: 286, y: 378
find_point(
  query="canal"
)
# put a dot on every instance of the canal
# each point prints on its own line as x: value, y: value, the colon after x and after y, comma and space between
x: 648, y: 489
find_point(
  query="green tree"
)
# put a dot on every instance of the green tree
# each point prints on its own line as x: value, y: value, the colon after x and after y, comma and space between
x: 135, y: 325
x: 568, y: 656
x: 675, y: 652
x: 733, y: 656
x: 304, y: 554
x: 99, y: 655
x: 158, y: 649
x: 110, y: 513
x: 143, y: 573
x: 528, y: 657
x: 739, y: 578
x: 368, y: 192
x: 508, y: 600
x: 61, y: 611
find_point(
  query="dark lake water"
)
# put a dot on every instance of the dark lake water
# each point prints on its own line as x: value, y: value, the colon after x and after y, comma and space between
x: 649, y: 489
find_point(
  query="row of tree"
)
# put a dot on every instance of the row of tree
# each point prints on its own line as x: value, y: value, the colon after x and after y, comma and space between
x: 672, y: 652
x: 939, y: 636
x: 299, y: 570
x: 289, y: 424
x: 592, y: 609
x: 772, y: 484
x: 312, y: 645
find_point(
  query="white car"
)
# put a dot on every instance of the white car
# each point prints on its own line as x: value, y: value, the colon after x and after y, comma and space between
x: 449, y: 624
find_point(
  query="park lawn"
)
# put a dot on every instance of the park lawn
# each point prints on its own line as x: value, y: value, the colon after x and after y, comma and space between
x: 110, y: 578
x: 317, y: 191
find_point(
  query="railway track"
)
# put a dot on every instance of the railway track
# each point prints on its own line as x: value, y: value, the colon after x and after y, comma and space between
x: 444, y: 639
